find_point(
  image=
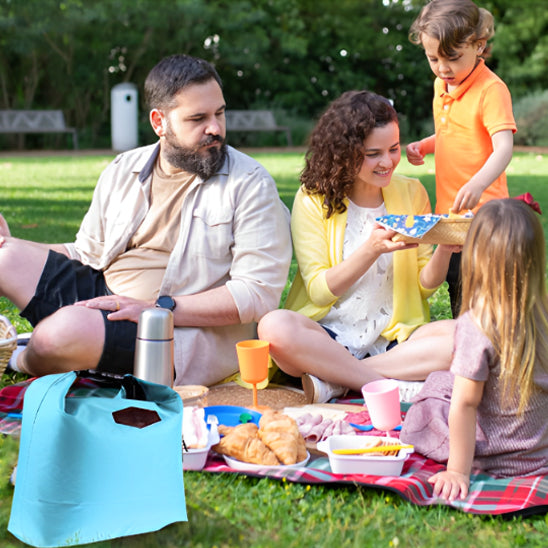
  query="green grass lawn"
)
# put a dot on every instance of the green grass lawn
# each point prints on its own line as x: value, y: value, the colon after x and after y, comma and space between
x: 44, y: 199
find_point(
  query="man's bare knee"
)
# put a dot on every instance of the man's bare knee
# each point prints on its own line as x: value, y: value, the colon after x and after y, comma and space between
x: 41, y: 357
x: 70, y: 339
x: 42, y: 345
x: 21, y: 265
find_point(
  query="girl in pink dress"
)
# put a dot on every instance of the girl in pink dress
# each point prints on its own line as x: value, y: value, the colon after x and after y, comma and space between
x: 488, y: 413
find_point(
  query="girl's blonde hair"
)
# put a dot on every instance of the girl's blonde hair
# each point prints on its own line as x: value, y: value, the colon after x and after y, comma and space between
x: 504, y: 288
x: 454, y: 23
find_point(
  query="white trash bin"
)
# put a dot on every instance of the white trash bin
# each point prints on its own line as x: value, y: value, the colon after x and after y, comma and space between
x: 124, y: 116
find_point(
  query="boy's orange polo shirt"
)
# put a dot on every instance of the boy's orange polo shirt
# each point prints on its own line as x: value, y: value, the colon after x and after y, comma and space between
x: 465, y: 119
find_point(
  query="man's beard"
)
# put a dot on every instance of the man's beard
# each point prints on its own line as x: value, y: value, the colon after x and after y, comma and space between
x: 202, y: 163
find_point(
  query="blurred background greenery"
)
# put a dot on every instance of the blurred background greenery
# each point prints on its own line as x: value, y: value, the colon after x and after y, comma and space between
x: 290, y: 56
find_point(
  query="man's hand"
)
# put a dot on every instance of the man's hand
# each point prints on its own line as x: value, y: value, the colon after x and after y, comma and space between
x: 122, y: 308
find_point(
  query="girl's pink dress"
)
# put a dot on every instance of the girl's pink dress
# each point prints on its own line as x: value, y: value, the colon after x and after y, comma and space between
x: 506, y: 444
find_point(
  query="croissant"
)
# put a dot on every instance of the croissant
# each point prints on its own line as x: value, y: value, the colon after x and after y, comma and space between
x: 242, y: 442
x: 224, y: 430
x: 281, y: 434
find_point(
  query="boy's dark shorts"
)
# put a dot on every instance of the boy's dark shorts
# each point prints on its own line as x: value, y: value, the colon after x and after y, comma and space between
x: 65, y: 281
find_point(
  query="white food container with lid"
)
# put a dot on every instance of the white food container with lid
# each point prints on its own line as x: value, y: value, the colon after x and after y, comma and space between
x: 365, y: 463
x: 195, y: 459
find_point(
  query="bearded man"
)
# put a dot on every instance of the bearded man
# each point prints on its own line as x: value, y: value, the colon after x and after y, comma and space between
x: 187, y: 223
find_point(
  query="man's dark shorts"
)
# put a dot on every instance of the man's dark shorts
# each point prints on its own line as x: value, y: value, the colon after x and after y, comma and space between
x: 64, y: 282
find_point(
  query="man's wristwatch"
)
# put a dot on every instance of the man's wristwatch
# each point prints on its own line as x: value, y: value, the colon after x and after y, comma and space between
x: 165, y: 301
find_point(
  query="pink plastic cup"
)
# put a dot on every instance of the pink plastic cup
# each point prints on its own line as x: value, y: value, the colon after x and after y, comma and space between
x: 382, y: 399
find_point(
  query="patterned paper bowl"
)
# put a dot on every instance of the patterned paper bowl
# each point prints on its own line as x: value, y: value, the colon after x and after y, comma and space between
x: 451, y: 231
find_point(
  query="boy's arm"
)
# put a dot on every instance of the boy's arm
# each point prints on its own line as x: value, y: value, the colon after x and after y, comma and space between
x: 419, y: 149
x: 454, y: 481
x: 469, y: 195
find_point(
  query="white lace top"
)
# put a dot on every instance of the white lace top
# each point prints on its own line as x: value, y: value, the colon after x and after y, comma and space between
x: 360, y: 315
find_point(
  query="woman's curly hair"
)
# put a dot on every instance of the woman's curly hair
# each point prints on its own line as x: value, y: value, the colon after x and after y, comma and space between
x: 336, y: 145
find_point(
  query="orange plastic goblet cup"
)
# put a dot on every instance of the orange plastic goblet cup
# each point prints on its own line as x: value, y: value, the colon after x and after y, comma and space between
x: 253, y: 358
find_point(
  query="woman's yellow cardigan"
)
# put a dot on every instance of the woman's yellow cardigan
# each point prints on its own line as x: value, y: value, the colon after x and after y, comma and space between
x: 318, y: 244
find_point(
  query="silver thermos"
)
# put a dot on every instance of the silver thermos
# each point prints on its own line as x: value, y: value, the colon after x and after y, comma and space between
x: 154, y: 346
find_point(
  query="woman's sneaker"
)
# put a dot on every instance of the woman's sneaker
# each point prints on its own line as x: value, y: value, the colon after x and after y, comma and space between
x: 318, y: 391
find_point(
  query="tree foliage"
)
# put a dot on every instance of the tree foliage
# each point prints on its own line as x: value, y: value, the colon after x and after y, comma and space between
x: 520, y: 46
x: 291, y: 55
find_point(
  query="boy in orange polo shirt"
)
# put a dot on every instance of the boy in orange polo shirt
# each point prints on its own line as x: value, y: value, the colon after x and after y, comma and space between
x: 472, y: 109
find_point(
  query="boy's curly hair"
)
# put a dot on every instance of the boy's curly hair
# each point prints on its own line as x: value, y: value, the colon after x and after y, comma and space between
x: 454, y: 23
x: 336, y: 145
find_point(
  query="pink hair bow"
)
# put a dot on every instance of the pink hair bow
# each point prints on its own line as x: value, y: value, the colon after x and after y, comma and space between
x: 530, y: 201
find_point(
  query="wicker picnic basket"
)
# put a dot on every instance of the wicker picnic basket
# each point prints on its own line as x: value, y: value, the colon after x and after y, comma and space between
x: 194, y: 395
x: 450, y: 231
x: 8, y: 342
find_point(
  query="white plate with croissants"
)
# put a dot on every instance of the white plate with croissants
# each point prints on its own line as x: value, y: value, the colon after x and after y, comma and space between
x: 248, y: 467
x: 275, y: 442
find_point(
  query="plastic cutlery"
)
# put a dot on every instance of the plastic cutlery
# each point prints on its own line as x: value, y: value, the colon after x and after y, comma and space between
x: 383, y: 449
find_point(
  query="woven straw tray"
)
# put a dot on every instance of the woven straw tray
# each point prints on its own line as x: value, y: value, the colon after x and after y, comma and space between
x: 8, y: 342
x: 451, y: 231
x: 273, y: 396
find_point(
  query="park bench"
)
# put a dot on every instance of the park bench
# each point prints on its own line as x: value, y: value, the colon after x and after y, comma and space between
x: 35, y: 121
x: 254, y: 120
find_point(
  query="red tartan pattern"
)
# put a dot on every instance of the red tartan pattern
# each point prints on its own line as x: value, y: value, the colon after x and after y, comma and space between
x: 488, y: 495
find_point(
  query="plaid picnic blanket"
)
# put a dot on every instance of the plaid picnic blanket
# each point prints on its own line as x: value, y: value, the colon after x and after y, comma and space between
x: 510, y: 496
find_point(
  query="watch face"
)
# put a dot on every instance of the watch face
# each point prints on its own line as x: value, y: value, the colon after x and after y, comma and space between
x: 165, y: 301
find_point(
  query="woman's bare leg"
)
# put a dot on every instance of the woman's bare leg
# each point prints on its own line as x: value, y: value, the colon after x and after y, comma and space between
x: 429, y: 348
x: 300, y: 345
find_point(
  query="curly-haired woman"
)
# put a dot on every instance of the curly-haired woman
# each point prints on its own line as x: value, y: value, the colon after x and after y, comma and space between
x: 357, y: 307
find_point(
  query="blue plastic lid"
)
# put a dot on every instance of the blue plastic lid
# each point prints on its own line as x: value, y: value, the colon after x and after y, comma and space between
x: 232, y: 415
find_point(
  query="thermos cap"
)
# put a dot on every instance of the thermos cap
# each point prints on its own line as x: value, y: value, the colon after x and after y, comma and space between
x: 155, y: 324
